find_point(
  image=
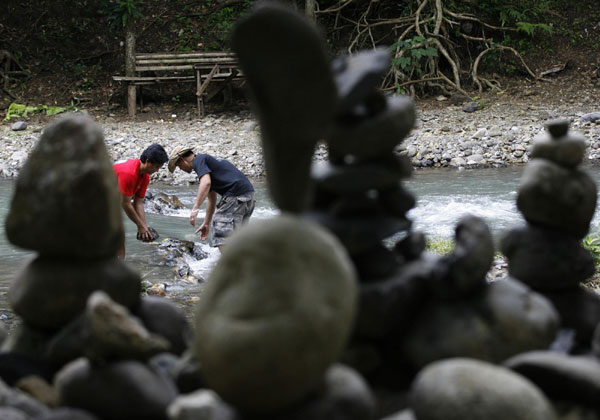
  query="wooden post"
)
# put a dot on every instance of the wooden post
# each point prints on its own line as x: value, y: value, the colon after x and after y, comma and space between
x: 130, y: 67
x: 309, y: 9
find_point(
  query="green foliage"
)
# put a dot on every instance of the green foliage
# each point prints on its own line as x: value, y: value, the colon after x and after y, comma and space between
x: 440, y: 246
x: 530, y: 28
x: 415, y: 50
x: 121, y: 12
x: 592, y: 244
x: 22, y: 111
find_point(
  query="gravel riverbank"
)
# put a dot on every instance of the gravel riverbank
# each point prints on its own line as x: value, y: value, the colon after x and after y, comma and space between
x: 499, y: 134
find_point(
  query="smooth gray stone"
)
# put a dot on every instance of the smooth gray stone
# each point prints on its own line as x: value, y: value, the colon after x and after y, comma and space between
x: 67, y: 344
x: 546, y: 259
x: 28, y: 340
x: 465, y: 389
x: 187, y: 373
x: 11, y: 397
x: 590, y: 117
x: 203, y: 404
x: 346, y: 396
x: 285, y: 66
x: 550, y: 195
x: 11, y: 413
x: 357, y: 76
x: 280, y: 302
x: 568, y: 152
x: 19, y: 126
x: 579, y: 309
x: 66, y: 413
x: 374, y: 135
x: 120, y: 390
x: 465, y: 268
x: 507, y: 318
x: 80, y: 213
x: 471, y: 107
x: 112, y: 333
x: 560, y: 376
x: 50, y: 292
x: 403, y: 415
x: 163, y: 317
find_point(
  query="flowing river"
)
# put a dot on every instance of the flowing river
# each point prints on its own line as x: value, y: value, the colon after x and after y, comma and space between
x: 443, y: 197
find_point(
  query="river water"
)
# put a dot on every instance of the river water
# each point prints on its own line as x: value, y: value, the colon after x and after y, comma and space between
x: 443, y: 197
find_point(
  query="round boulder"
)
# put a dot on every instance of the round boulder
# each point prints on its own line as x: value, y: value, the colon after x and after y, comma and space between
x: 276, y: 312
x: 465, y: 389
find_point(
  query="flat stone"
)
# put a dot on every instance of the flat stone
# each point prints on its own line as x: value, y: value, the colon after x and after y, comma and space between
x: 551, y: 195
x: 51, y: 292
x: 286, y: 68
x: 80, y: 213
x: 561, y: 377
x: 120, y: 390
x: 374, y: 135
x: 568, y: 152
x: 460, y: 389
x: 19, y: 126
x: 280, y: 302
x: 506, y: 319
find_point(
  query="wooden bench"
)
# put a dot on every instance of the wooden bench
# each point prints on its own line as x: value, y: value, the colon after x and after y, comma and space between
x: 203, y: 68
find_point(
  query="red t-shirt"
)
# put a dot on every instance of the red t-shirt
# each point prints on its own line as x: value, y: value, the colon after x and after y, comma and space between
x: 130, y: 181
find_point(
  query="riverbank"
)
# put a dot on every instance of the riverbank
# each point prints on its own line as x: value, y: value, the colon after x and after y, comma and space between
x: 499, y: 133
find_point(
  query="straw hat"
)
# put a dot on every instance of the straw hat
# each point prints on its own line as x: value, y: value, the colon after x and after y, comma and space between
x: 175, y: 154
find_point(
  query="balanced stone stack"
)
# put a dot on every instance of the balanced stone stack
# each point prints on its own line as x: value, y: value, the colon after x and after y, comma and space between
x: 82, y: 324
x: 558, y: 201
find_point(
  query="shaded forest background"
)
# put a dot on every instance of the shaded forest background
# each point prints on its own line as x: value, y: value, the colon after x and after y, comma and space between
x: 64, y: 52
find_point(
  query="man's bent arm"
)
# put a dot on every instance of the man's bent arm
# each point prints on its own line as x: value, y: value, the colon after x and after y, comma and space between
x: 133, y: 214
x: 203, y: 192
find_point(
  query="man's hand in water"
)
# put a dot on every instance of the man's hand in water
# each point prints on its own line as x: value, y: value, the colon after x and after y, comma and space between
x: 144, y: 234
x: 193, y: 216
x: 203, y: 230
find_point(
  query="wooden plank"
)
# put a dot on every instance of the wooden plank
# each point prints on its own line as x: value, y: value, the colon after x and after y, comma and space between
x: 197, y: 54
x: 150, y: 78
x: 207, y: 81
x: 165, y: 68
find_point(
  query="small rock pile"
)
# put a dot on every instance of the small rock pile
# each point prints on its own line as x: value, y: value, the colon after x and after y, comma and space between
x: 558, y: 202
x: 87, y: 339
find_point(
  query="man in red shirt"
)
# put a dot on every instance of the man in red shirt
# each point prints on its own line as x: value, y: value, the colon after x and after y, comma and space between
x: 133, y: 177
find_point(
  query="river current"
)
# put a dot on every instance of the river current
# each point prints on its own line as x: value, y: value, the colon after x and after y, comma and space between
x: 443, y: 197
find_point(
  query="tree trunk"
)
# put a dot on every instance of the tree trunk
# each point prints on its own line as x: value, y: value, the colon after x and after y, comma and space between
x: 130, y: 66
x: 309, y: 9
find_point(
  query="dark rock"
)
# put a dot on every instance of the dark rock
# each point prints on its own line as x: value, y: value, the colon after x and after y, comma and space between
x: 373, y: 136
x: 388, y: 307
x: 553, y: 196
x: 506, y: 319
x: 152, y: 231
x: 50, y: 292
x: 67, y: 344
x: 459, y: 389
x: 375, y: 263
x: 466, y: 266
x: 354, y: 179
x: 284, y: 334
x: 546, y: 259
x: 15, y: 366
x: 71, y: 169
x: 280, y: 51
x: 187, y: 373
x: 19, y: 126
x: 579, y: 309
x: 14, y: 398
x: 412, y: 246
x: 357, y: 76
x: 471, y: 107
x: 396, y: 201
x: 560, y: 376
x: 165, y: 318
x: 162, y: 203
x: 558, y: 147
x: 120, y: 390
x: 403, y: 415
x: 203, y: 404
x: 458, y: 99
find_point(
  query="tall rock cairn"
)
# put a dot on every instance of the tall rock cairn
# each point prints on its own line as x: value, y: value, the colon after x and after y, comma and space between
x: 558, y: 200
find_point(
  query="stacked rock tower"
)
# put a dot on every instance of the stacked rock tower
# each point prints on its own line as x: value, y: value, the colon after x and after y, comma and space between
x: 558, y: 200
